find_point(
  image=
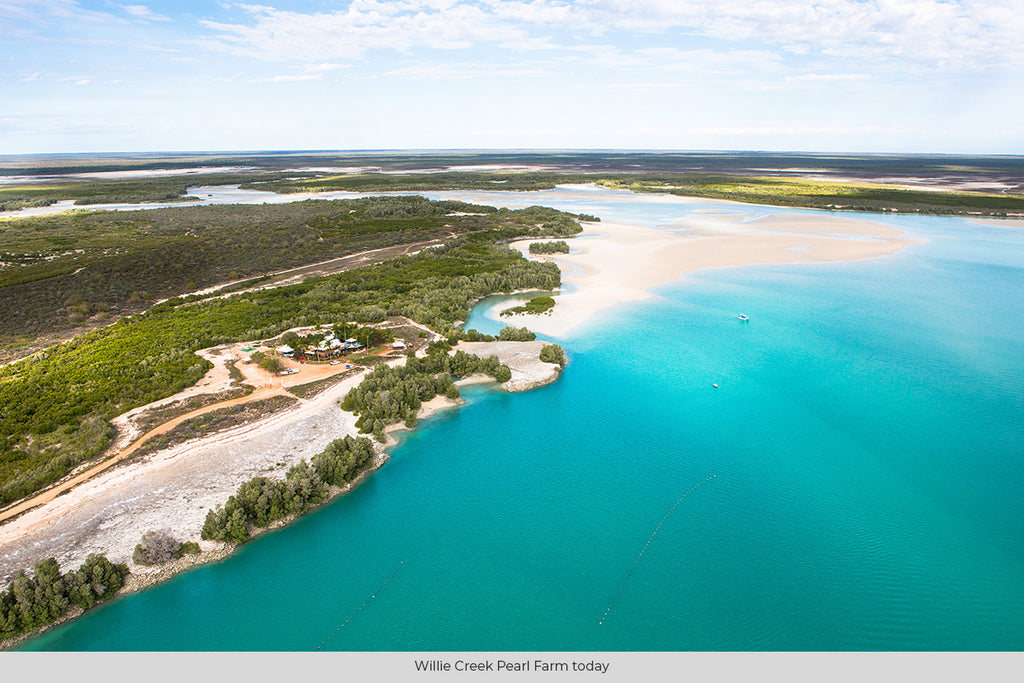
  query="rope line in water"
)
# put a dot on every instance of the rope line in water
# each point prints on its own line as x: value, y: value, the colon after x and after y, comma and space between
x: 356, y: 613
x: 639, y: 557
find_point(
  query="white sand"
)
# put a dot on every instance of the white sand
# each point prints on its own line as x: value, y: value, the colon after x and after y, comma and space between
x: 620, y: 262
x: 174, y: 488
x: 522, y: 359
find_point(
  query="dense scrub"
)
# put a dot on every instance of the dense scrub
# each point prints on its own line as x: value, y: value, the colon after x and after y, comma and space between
x: 390, y: 395
x: 553, y: 353
x: 535, y: 306
x: 55, y: 407
x: 69, y: 271
x: 261, y: 501
x: 33, y: 602
x: 515, y: 334
x: 559, y: 247
x: 126, y: 191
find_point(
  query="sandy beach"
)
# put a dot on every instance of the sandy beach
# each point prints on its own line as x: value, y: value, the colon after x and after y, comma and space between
x: 619, y: 262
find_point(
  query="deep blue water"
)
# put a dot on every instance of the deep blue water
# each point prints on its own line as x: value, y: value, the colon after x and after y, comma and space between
x: 855, y: 482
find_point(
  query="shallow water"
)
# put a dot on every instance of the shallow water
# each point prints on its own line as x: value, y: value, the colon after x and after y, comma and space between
x: 853, y: 483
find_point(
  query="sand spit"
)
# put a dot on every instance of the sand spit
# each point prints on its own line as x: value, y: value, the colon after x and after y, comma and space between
x: 620, y: 262
x: 522, y: 358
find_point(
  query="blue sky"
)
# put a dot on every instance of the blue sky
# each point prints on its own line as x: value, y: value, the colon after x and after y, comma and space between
x: 825, y: 75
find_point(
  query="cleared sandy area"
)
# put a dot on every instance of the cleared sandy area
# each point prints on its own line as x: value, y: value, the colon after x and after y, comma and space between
x: 174, y: 488
x: 620, y: 262
x: 522, y: 359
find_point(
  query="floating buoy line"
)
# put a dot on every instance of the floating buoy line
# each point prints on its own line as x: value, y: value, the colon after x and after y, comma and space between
x: 356, y: 613
x: 639, y: 557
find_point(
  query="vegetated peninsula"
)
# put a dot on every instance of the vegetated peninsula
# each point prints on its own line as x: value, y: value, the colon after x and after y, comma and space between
x: 60, y: 404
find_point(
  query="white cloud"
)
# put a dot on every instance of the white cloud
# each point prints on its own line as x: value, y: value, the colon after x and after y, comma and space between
x: 144, y: 13
x: 279, y: 35
x: 45, y: 12
x: 941, y: 34
x: 288, y: 78
x: 458, y: 72
x: 311, y: 72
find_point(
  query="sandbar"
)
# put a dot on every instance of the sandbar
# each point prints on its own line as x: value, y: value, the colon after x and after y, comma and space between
x: 619, y: 262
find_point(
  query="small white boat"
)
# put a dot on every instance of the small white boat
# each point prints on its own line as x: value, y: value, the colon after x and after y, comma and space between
x: 744, y: 318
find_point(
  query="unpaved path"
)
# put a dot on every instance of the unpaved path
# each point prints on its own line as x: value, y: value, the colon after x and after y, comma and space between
x: 266, y: 386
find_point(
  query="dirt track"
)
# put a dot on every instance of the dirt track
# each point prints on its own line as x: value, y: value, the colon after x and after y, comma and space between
x: 107, y: 509
x: 267, y: 386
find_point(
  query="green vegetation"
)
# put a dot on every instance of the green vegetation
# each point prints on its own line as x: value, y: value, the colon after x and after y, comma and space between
x: 529, y: 171
x: 784, y: 189
x: 55, y: 407
x: 553, y: 353
x: 63, y: 274
x: 559, y: 247
x: 515, y: 334
x: 847, y: 196
x: 535, y: 306
x: 271, y: 364
x: 416, y: 182
x: 31, y: 603
x: 391, y: 395
x: 313, y: 388
x: 755, y: 178
x: 129, y: 191
x: 261, y: 501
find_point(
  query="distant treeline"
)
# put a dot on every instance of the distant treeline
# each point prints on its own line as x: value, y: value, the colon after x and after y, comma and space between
x: 579, y: 160
x: 836, y: 196
x: 126, y: 191
x: 742, y: 185
x: 530, y: 171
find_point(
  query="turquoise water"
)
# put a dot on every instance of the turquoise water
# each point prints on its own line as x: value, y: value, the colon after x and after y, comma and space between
x: 854, y: 483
